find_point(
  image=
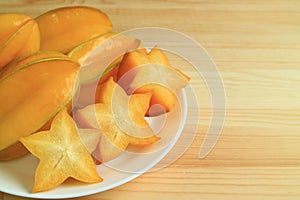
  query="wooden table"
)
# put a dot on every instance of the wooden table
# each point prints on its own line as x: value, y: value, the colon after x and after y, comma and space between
x: 256, y: 46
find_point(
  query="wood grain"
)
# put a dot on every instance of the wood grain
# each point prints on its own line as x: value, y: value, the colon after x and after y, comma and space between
x: 256, y: 46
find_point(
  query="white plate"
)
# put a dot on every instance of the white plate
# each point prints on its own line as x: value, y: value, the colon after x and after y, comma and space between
x: 17, y: 177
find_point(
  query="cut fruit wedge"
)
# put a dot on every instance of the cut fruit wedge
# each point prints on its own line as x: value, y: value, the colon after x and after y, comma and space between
x: 96, y: 56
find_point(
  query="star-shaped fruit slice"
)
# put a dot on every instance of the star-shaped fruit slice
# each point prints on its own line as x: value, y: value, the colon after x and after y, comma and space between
x: 142, y: 72
x: 120, y: 118
x: 62, y: 154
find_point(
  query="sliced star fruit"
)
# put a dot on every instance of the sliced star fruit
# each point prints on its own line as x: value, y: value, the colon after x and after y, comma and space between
x: 62, y: 155
x: 121, y: 128
x: 142, y: 72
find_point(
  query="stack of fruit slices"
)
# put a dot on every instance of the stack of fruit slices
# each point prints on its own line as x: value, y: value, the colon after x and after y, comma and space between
x: 74, y: 94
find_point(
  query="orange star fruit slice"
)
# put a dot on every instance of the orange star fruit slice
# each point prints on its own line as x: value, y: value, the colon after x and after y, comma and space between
x: 115, y: 138
x: 62, y: 155
x: 161, y: 94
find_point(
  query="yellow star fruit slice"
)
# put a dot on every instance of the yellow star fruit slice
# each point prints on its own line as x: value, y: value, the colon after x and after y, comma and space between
x: 132, y: 107
x: 90, y: 138
x: 138, y: 106
x: 62, y: 155
x: 114, y: 139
